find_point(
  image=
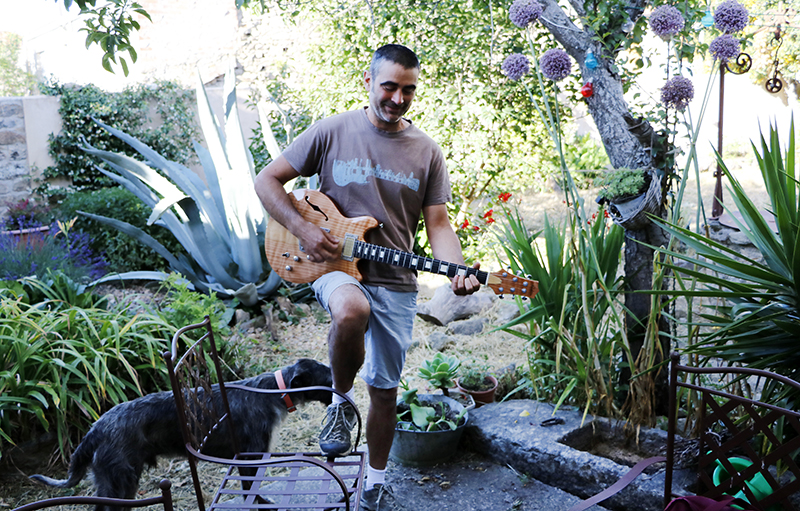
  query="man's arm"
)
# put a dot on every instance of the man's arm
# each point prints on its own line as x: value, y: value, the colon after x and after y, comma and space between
x: 318, y: 244
x: 446, y: 247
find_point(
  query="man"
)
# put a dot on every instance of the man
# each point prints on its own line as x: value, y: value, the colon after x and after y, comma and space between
x: 371, y: 161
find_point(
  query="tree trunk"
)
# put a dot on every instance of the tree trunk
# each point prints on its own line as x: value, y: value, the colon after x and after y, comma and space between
x: 627, y: 143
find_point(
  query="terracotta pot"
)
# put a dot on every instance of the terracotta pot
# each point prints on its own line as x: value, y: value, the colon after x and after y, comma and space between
x: 32, y: 236
x: 481, y: 397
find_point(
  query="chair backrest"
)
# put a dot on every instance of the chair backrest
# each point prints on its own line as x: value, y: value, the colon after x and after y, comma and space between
x: 110, y: 503
x: 743, y: 440
x: 192, y: 376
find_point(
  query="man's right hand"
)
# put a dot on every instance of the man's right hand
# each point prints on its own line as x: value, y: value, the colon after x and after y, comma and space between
x: 319, y: 245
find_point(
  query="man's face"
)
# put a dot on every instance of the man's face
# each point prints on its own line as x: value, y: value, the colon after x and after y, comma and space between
x: 390, y: 94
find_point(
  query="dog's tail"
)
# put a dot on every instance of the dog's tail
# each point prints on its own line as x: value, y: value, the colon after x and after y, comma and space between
x: 78, y: 464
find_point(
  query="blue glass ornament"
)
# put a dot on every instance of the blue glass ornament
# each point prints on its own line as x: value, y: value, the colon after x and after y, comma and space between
x: 708, y: 19
x: 590, y: 61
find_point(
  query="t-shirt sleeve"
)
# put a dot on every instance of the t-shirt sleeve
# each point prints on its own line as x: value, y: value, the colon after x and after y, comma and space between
x: 438, y: 189
x: 305, y: 152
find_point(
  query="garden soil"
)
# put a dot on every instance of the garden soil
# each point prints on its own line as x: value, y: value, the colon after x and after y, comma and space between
x: 302, y: 333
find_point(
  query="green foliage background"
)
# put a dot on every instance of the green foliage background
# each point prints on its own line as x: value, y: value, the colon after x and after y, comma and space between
x: 170, y: 132
x: 14, y: 81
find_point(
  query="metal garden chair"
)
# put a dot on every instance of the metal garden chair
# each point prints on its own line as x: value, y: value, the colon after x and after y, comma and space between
x: 741, y: 443
x: 106, y: 502
x: 253, y: 480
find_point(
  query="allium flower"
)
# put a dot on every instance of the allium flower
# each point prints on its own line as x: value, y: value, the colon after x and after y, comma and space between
x: 666, y: 21
x: 730, y: 16
x: 516, y: 66
x: 555, y: 64
x: 524, y: 12
x: 725, y: 48
x: 677, y: 92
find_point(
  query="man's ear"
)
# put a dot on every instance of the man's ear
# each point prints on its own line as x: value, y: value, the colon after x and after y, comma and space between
x: 367, y: 79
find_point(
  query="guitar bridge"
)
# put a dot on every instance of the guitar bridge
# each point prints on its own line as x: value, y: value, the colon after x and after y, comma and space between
x: 349, y: 245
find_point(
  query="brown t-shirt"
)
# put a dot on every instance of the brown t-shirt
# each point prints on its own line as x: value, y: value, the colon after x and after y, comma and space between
x: 389, y: 176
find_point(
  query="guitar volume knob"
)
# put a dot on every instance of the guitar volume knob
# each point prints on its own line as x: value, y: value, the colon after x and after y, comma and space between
x: 288, y: 268
x: 296, y: 259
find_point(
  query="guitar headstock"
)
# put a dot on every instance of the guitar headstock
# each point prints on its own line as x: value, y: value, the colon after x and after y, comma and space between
x: 506, y: 283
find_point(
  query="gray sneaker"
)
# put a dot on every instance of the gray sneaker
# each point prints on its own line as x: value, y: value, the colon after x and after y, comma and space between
x: 334, y: 439
x: 379, y: 498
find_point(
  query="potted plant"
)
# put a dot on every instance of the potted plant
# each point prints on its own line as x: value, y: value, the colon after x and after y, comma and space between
x: 26, y: 220
x: 630, y: 195
x: 440, y: 372
x: 474, y: 379
x: 429, y: 427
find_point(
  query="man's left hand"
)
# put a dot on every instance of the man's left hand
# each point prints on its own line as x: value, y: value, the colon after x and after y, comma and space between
x: 466, y: 285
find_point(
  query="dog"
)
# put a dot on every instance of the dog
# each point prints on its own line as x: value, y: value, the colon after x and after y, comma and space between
x: 133, y: 434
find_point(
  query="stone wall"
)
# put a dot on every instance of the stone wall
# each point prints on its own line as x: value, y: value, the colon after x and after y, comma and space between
x: 25, y: 126
x: 15, y: 179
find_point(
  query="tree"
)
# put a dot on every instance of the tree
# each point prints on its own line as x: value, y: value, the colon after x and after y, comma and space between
x: 13, y: 80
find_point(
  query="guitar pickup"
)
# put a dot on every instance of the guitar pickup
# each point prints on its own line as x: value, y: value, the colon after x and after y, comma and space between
x: 349, y: 245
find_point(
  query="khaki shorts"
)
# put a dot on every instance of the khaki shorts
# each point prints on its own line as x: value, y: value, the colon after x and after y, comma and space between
x: 388, y: 336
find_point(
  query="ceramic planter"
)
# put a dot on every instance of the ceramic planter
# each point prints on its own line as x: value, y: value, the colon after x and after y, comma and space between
x: 481, y: 397
x: 424, y: 448
x: 32, y: 235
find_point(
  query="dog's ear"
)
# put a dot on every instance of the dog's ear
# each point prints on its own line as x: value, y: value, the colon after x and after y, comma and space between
x: 307, y: 373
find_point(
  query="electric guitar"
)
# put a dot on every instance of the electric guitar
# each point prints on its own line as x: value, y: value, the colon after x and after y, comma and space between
x: 286, y: 255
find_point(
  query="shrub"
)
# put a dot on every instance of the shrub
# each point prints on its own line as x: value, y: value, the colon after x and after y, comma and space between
x: 127, y: 110
x: 26, y: 214
x: 622, y: 184
x: 121, y: 252
x: 62, y: 366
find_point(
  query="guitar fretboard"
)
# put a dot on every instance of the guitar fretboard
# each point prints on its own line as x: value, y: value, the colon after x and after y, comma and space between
x: 364, y: 250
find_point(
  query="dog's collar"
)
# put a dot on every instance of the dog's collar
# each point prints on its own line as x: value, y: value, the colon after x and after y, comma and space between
x: 281, y: 385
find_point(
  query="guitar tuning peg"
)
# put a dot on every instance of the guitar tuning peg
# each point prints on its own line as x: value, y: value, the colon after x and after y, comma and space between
x: 524, y: 298
x: 528, y: 276
x: 501, y: 297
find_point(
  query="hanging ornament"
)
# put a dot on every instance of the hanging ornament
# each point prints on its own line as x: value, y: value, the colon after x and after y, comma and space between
x: 628, y: 25
x: 590, y: 61
x: 774, y: 84
x: 587, y: 91
x: 708, y: 19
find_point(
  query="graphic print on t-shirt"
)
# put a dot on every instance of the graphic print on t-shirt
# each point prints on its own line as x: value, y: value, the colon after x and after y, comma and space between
x: 354, y: 171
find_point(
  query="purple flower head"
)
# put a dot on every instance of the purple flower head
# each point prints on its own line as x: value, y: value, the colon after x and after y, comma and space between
x: 555, y: 64
x: 515, y: 66
x: 666, y: 21
x: 730, y: 16
x: 524, y: 12
x: 677, y: 92
x: 725, y: 48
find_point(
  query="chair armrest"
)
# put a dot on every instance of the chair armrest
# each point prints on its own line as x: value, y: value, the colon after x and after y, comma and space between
x: 618, y: 486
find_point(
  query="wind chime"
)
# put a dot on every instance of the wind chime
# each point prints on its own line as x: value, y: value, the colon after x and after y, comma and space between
x: 774, y: 84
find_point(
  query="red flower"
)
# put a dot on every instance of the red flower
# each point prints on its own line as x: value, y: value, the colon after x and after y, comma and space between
x: 605, y: 214
x: 476, y: 228
x: 504, y: 196
x: 465, y: 224
x: 488, y: 214
x: 490, y: 220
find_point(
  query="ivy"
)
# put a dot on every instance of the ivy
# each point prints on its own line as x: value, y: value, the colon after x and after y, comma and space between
x: 170, y: 133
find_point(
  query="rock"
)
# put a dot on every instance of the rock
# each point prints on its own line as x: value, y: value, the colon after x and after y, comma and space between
x: 506, y: 311
x: 445, y: 306
x: 241, y: 316
x: 738, y: 238
x: 438, y: 341
x: 467, y: 326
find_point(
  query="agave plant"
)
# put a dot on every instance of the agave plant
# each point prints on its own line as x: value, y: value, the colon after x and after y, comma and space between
x: 219, y: 222
x: 753, y: 310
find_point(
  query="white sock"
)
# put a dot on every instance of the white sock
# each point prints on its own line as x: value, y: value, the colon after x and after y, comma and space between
x: 375, y: 476
x: 337, y: 399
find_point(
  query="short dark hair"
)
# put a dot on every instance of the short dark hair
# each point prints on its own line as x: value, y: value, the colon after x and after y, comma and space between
x: 396, y: 53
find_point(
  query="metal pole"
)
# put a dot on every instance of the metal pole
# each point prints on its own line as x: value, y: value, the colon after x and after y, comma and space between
x: 716, y: 208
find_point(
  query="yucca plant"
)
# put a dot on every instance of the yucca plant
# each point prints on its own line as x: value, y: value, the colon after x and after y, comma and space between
x: 220, y: 222
x: 575, y: 335
x: 751, y: 305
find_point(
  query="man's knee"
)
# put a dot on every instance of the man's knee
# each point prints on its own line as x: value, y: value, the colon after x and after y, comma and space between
x: 383, y: 398
x: 349, y: 308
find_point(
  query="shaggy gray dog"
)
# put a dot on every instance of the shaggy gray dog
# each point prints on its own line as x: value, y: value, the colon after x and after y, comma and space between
x: 132, y: 434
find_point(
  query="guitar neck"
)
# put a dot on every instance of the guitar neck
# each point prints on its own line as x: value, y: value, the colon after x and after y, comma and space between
x: 364, y: 250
